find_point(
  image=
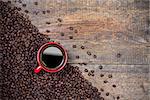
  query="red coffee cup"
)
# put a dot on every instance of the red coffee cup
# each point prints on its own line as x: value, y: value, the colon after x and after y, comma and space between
x: 51, y: 57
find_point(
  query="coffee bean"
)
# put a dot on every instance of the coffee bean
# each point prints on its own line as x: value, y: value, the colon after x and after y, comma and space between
x: 107, y: 94
x: 48, y: 31
x: 35, y: 3
x: 118, y: 97
x: 24, y: 5
x: 71, y: 28
x: 62, y: 34
x: 48, y: 23
x: 74, y: 46
x: 102, y: 89
x: 82, y: 47
x: 94, y: 56
x: 101, y: 75
x: 118, y: 55
x: 77, y: 57
x: 44, y: 12
x: 48, y: 11
x: 100, y: 67
x: 59, y: 19
x: 109, y: 76
x: 89, y: 53
x: 86, y: 70
x: 76, y: 31
x: 114, y: 85
x: 70, y: 37
x: 26, y: 11
x: 105, y: 81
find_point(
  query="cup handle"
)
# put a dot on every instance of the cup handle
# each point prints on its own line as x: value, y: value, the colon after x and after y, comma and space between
x: 38, y: 69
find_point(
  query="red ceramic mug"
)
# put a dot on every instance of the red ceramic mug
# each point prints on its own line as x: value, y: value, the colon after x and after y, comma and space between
x: 51, y: 57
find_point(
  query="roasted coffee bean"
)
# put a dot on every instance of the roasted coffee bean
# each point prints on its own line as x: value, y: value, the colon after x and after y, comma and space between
x: 100, y: 67
x: 71, y: 28
x: 118, y: 97
x: 92, y: 71
x: 70, y: 37
x: 89, y: 53
x: 85, y: 70
x: 77, y: 57
x: 82, y: 47
x: 105, y: 81
x: 48, y: 23
x: 118, y: 55
x: 62, y: 34
x: 94, y: 56
x: 107, y: 94
x: 48, y: 11
x: 24, y: 5
x: 20, y: 41
x: 114, y: 85
x: 109, y: 76
x: 101, y: 75
x: 59, y: 19
x: 48, y: 31
x: 74, y: 46
x: 35, y: 3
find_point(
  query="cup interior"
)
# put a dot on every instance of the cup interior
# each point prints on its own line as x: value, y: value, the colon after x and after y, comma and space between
x: 52, y: 56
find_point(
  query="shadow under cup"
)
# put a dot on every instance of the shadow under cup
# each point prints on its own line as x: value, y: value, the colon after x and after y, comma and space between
x: 52, y: 57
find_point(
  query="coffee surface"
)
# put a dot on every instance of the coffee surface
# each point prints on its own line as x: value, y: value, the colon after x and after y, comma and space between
x: 52, y: 57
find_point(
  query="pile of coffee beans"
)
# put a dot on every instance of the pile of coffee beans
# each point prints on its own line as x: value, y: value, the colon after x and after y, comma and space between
x: 20, y: 41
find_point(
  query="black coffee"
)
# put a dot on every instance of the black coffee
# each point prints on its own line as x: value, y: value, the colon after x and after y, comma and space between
x: 52, y: 57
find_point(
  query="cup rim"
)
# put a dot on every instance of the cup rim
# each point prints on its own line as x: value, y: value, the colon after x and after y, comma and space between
x: 59, y: 47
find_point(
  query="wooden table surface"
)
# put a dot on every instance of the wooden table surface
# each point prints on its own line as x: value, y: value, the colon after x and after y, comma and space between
x: 114, y: 32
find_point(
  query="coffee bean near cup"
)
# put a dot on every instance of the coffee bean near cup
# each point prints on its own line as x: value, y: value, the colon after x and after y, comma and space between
x: 51, y: 57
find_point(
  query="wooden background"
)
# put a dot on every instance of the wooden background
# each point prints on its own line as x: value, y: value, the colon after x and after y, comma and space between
x: 115, y: 32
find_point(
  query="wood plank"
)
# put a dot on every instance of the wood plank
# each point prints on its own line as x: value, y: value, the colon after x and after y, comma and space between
x: 132, y: 81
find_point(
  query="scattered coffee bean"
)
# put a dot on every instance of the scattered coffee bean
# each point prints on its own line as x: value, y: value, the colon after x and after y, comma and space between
x: 70, y: 37
x: 89, y: 53
x: 94, y: 56
x: 105, y: 81
x: 62, y: 34
x: 77, y: 57
x: 71, y: 28
x: 114, y: 85
x: 48, y: 23
x: 118, y: 55
x: 102, y: 89
x: 92, y: 71
x: 24, y: 5
x: 109, y: 76
x: 74, y: 46
x: 107, y: 94
x: 48, y: 11
x: 59, y: 19
x: 76, y: 31
x: 48, y: 31
x: 82, y: 47
x: 35, y: 3
x: 85, y: 70
x: 26, y: 11
x: 100, y: 67
x: 44, y: 12
x: 118, y: 97
x: 101, y: 75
